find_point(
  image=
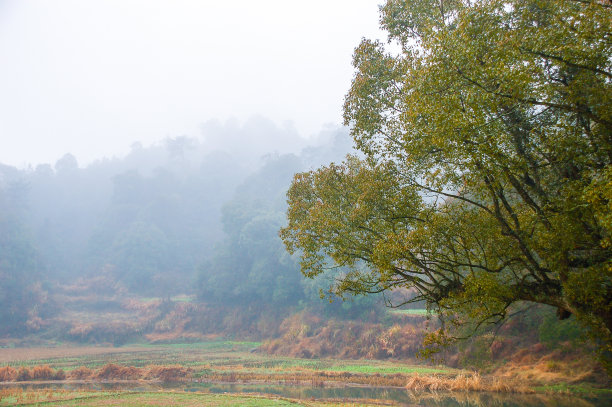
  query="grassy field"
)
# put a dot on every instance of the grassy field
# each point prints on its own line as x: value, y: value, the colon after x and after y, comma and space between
x: 206, y: 359
x: 210, y: 362
x: 161, y: 398
x: 18, y: 397
x: 228, y: 366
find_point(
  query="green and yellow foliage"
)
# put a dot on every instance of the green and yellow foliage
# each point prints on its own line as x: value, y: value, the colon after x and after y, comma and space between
x: 486, y: 134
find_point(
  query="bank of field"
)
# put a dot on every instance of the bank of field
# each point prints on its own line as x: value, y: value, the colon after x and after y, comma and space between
x: 229, y: 373
x: 220, y: 361
x: 140, y: 399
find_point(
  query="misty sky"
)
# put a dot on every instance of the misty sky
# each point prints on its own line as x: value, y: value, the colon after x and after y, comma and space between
x: 92, y: 77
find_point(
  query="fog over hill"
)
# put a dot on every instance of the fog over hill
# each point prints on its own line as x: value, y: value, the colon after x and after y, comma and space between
x: 165, y: 219
x: 92, y: 77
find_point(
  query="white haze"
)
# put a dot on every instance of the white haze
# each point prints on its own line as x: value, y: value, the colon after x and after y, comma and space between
x: 93, y: 77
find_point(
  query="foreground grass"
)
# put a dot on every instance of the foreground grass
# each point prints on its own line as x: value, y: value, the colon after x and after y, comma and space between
x: 140, y: 399
x: 577, y: 389
x: 95, y: 398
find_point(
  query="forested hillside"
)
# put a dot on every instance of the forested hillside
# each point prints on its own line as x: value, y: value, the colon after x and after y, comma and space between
x: 185, y: 217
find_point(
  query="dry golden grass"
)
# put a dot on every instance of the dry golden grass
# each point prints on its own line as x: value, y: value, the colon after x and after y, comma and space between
x: 42, y: 373
x: 308, y: 336
x: 552, y: 368
x: 12, y: 395
x: 116, y: 372
x: 313, y: 378
x: 7, y: 374
x: 81, y: 373
x: 107, y: 372
x: 464, y: 382
x: 174, y: 398
x: 167, y: 373
x: 11, y: 392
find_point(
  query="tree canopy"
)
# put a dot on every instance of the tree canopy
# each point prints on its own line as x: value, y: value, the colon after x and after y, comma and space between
x: 19, y: 265
x: 485, y: 174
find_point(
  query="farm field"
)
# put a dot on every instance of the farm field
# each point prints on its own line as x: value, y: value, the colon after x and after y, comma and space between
x: 134, y: 399
x: 213, y: 397
x: 223, y: 361
x: 224, y: 373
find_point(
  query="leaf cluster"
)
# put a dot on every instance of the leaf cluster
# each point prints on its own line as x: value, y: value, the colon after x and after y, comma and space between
x: 488, y: 152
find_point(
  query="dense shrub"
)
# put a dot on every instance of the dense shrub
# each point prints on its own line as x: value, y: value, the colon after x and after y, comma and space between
x: 167, y: 373
x: 115, y: 372
x: 553, y: 332
x: 23, y: 374
x: 42, y: 373
x: 81, y: 373
x: 306, y: 335
x: 7, y: 374
x: 59, y: 375
x: 109, y: 371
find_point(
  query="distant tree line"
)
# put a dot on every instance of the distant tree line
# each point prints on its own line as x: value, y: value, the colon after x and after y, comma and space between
x: 178, y: 217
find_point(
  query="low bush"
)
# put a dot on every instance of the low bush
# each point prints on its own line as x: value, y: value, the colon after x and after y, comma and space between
x: 59, y: 375
x: 23, y: 374
x: 463, y: 382
x: 308, y: 336
x: 42, y: 373
x: 7, y: 374
x: 80, y: 373
x: 553, y: 332
x: 168, y: 373
x: 115, y: 372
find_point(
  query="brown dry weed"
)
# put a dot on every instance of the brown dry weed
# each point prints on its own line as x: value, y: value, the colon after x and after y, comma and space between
x: 464, y: 382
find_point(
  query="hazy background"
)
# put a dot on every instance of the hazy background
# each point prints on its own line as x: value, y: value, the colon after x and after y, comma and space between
x: 146, y: 148
x: 93, y: 77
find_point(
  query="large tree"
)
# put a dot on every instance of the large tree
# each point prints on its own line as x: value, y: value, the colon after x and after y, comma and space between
x: 485, y: 174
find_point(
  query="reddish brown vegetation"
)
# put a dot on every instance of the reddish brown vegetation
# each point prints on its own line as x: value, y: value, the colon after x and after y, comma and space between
x: 167, y: 373
x: 537, y: 365
x: 7, y: 374
x: 102, y: 283
x: 23, y: 374
x: 116, y: 372
x: 107, y: 372
x: 81, y: 373
x: 32, y: 396
x: 46, y: 373
x: 116, y: 332
x: 151, y: 372
x: 308, y: 336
